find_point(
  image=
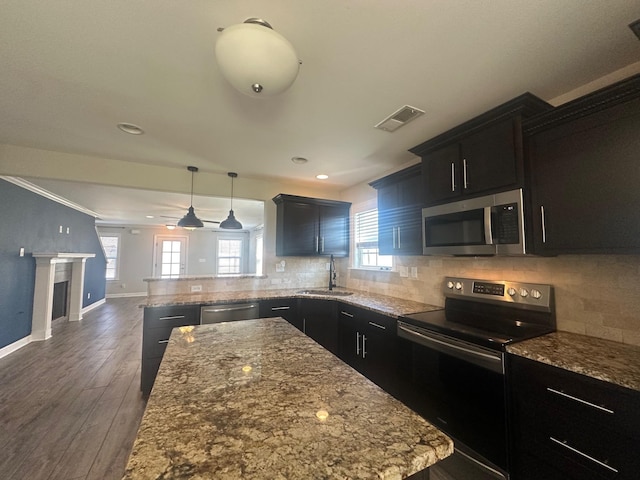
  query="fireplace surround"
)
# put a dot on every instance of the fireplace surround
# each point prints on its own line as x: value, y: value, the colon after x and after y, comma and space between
x: 43, y: 292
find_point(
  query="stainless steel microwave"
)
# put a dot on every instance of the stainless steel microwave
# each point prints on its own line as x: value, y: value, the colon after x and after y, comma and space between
x: 489, y: 225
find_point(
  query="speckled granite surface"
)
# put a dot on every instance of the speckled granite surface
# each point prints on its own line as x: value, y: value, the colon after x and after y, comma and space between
x: 391, y: 306
x: 257, y: 399
x: 612, y: 362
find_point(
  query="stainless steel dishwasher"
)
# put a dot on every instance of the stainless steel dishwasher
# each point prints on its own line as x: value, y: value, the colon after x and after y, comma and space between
x: 229, y: 312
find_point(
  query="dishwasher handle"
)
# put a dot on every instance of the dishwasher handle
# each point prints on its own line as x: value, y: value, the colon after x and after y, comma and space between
x: 228, y: 309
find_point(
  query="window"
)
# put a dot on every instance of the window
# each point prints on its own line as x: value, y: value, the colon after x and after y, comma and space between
x: 229, y: 256
x: 111, y: 247
x: 366, y: 239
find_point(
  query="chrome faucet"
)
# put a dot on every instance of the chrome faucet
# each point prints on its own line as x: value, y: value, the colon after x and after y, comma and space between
x: 332, y: 273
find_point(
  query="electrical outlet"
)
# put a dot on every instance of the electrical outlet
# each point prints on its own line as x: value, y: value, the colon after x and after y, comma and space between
x: 414, y: 272
x: 60, y: 229
x: 68, y: 230
x: 280, y: 266
x: 88, y: 295
x: 403, y: 271
x: 196, y: 288
x: 22, y: 251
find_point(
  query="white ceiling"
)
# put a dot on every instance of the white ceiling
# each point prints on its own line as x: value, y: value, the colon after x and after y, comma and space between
x: 71, y: 70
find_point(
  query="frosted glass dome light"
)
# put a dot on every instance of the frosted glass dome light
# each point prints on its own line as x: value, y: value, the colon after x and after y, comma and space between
x: 255, y: 59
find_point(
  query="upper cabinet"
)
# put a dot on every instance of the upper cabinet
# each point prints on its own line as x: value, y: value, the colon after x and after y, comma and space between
x: 583, y: 173
x: 480, y: 156
x: 311, y: 226
x: 400, y: 212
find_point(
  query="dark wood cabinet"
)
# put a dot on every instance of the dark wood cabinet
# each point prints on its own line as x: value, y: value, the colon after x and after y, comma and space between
x: 320, y: 322
x: 481, y: 156
x: 368, y: 344
x: 582, y: 174
x: 400, y: 212
x: 310, y: 226
x: 156, y: 330
x: 569, y: 426
x: 286, y: 308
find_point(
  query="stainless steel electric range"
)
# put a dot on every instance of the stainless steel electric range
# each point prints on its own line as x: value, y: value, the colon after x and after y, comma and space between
x: 452, y: 366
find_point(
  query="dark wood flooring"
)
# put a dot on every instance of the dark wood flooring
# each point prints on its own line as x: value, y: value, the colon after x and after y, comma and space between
x: 70, y: 406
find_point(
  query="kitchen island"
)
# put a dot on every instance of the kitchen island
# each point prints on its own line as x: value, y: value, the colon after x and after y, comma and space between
x: 258, y: 399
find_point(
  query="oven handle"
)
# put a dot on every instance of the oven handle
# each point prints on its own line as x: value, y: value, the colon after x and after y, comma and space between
x: 482, y: 358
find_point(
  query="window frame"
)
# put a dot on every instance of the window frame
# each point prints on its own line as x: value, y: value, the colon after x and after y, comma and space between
x: 241, y: 257
x: 116, y: 269
x: 371, y: 245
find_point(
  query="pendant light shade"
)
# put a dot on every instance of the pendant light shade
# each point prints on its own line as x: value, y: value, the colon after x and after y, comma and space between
x: 231, y: 223
x: 255, y: 59
x: 190, y: 221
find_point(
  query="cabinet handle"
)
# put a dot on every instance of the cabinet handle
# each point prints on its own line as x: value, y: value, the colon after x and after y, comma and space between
x: 358, y: 343
x: 453, y: 177
x: 399, y: 241
x: 346, y: 314
x: 304, y: 325
x: 322, y: 244
x: 588, y: 457
x: 373, y: 324
x: 163, y: 341
x: 273, y: 309
x: 173, y: 317
x: 464, y: 173
x: 576, y: 399
x: 364, y: 345
x: 393, y: 236
x: 544, y: 224
x: 317, y: 244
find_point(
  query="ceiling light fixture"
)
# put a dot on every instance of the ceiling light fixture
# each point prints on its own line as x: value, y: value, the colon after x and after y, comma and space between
x: 255, y: 59
x: 231, y: 222
x: 130, y: 128
x: 299, y: 160
x: 190, y: 221
x: 322, y: 176
x: 170, y: 226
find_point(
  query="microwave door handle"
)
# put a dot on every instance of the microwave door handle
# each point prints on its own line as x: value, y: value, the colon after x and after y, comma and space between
x: 488, y: 237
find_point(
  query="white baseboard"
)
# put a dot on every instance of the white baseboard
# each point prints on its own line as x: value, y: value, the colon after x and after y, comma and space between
x: 126, y: 295
x: 4, y: 351
x: 88, y: 308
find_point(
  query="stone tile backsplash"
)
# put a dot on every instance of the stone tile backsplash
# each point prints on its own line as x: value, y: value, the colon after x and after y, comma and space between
x: 596, y: 295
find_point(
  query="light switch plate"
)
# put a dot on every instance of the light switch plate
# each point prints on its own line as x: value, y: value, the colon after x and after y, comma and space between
x: 196, y: 288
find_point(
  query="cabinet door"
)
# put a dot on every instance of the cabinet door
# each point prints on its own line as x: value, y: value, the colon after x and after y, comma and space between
x: 298, y: 234
x: 584, y: 183
x: 442, y: 174
x: 334, y: 230
x: 350, y: 338
x: 379, y: 350
x: 388, y: 210
x: 320, y: 322
x: 489, y: 158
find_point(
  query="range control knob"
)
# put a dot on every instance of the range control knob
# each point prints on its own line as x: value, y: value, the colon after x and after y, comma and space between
x: 458, y: 286
x: 511, y: 291
x: 450, y: 285
x: 536, y: 294
x: 524, y: 292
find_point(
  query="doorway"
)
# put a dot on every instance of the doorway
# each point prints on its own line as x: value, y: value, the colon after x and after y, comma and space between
x: 170, y: 256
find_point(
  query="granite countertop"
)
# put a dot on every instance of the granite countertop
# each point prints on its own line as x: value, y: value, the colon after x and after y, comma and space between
x: 257, y: 399
x: 391, y: 306
x: 612, y: 362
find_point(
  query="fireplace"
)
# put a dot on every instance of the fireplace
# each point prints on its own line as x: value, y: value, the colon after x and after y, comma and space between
x: 69, y: 268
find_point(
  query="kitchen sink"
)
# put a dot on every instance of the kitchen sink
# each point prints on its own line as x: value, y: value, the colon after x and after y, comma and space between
x: 336, y: 293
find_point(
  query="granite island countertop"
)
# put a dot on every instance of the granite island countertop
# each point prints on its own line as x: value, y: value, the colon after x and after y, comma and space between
x: 386, y: 305
x: 257, y: 399
x: 612, y: 362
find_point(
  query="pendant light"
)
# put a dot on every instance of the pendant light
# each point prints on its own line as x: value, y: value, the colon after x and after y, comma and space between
x: 231, y: 222
x: 255, y: 59
x: 190, y: 221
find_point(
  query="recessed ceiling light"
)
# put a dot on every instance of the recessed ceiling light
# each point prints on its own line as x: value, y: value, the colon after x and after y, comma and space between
x: 130, y: 128
x: 322, y: 176
x: 149, y: 216
x: 171, y: 227
x: 299, y: 160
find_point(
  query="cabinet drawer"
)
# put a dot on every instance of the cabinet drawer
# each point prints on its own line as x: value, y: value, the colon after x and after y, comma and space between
x: 542, y: 388
x: 154, y: 341
x: 173, y: 316
x: 367, y: 318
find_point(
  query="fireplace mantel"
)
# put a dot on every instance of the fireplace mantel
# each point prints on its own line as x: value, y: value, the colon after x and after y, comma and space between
x: 43, y: 292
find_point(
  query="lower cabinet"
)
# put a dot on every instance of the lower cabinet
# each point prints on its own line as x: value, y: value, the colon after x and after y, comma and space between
x: 568, y: 426
x: 320, y: 322
x: 368, y: 344
x: 286, y: 308
x: 156, y: 330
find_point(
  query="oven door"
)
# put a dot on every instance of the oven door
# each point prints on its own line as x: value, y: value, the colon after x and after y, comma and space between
x: 459, y: 387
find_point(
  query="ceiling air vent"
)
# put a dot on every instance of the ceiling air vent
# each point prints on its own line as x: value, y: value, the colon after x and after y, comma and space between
x: 399, y: 118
